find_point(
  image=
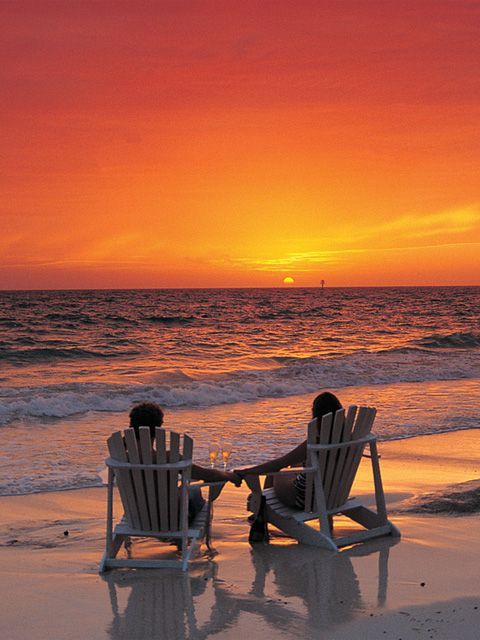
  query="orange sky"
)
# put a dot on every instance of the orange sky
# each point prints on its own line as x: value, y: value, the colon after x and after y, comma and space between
x: 162, y: 144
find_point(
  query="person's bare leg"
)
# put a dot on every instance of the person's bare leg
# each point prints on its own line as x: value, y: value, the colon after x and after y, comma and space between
x: 254, y: 500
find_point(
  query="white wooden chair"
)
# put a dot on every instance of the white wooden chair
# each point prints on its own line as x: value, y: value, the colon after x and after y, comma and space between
x: 153, y: 483
x: 335, y: 447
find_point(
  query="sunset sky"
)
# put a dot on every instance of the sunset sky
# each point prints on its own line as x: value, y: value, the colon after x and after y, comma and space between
x: 175, y: 143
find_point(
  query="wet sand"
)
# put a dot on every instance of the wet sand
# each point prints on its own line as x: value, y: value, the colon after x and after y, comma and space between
x: 424, y: 585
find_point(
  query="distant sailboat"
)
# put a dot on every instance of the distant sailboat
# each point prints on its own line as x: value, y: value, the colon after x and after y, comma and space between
x: 322, y: 282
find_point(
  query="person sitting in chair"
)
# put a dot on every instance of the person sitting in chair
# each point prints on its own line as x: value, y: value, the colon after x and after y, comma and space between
x: 290, y: 490
x: 150, y: 414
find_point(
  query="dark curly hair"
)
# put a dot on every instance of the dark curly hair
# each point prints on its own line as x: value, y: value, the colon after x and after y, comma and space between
x: 325, y: 403
x: 146, y: 414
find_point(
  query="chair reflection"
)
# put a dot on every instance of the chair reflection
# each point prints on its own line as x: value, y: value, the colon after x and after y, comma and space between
x: 159, y: 605
x: 325, y: 582
x: 170, y: 604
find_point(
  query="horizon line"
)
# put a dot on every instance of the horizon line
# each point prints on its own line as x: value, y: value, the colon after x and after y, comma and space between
x: 284, y: 287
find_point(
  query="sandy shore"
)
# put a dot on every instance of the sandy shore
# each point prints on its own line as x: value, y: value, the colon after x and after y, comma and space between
x: 423, y: 586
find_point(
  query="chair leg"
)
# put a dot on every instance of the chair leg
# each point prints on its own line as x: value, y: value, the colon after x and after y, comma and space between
x: 109, y: 524
x: 189, y: 551
x: 324, y: 520
x: 185, y: 559
x: 103, y: 564
x: 377, y: 480
x: 117, y: 542
x: 208, y: 526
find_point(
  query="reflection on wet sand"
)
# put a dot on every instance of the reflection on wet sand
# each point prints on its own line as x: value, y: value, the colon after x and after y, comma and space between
x: 293, y: 588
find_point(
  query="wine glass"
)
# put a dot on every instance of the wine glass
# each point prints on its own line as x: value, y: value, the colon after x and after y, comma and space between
x: 226, y: 452
x: 213, y: 453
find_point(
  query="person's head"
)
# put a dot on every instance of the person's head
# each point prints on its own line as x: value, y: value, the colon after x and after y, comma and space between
x: 325, y: 403
x: 146, y: 414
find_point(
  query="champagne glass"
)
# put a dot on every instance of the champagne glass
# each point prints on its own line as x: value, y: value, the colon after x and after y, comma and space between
x: 213, y: 453
x: 226, y: 452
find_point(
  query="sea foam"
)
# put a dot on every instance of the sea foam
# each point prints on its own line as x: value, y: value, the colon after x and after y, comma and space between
x: 458, y: 499
x: 297, y: 376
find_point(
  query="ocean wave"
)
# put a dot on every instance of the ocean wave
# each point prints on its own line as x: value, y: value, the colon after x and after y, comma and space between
x: 29, y: 485
x: 47, y: 354
x: 316, y: 312
x: 10, y: 323
x: 171, y: 320
x: 25, y: 342
x: 450, y: 341
x: 294, y: 376
x: 120, y: 319
x: 405, y: 350
x: 457, y: 499
x: 74, y: 318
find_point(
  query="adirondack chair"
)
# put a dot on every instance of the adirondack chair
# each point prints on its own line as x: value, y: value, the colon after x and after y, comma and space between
x: 335, y: 446
x: 153, y: 483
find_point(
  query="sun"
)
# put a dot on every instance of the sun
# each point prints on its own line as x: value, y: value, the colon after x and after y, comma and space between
x: 288, y: 280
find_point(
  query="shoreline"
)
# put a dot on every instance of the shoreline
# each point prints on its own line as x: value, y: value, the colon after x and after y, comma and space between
x: 258, y: 430
x: 389, y: 442
x: 280, y: 590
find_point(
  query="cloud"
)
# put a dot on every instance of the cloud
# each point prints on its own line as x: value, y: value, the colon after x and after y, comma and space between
x: 398, y: 235
x: 300, y: 261
x: 453, y: 221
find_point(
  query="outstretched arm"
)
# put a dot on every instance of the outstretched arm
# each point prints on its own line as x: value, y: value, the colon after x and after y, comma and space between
x: 294, y: 457
x: 215, y: 475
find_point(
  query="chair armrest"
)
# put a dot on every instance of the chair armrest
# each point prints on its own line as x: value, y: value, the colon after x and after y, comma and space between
x: 253, y: 483
x: 283, y: 472
x: 341, y: 445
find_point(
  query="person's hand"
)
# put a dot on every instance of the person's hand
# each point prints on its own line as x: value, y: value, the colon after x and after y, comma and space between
x: 235, y: 478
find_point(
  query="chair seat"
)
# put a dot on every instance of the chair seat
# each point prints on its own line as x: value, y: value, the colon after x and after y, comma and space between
x: 195, y: 531
x: 301, y: 516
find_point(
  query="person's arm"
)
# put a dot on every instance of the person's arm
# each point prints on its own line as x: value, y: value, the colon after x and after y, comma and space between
x: 291, y: 459
x: 215, y: 475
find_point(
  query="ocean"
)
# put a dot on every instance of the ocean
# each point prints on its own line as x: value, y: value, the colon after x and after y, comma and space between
x: 236, y: 364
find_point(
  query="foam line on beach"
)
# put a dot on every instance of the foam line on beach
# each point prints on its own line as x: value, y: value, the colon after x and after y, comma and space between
x: 295, y: 376
x: 458, y: 499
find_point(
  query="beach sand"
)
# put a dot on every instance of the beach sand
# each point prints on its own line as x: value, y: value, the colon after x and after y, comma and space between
x: 424, y: 585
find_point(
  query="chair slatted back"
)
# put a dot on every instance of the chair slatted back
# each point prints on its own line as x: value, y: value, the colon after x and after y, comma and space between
x: 321, y: 433
x: 138, y: 479
x: 173, y: 497
x: 338, y: 467
x: 154, y: 499
x: 116, y: 447
x: 146, y: 456
x: 336, y: 435
x: 341, y: 457
x: 362, y: 427
x: 162, y: 478
x: 312, y: 438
